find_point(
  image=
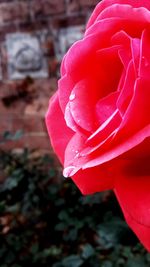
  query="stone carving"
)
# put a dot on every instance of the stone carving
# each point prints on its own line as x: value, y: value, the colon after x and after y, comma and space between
x: 28, y: 58
x: 66, y: 37
x: 25, y: 57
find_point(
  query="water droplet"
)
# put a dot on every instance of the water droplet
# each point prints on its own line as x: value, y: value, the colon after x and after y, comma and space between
x: 72, y: 97
x: 68, y: 171
x: 77, y: 155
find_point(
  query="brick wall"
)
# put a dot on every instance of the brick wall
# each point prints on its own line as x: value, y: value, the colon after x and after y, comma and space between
x: 34, y: 35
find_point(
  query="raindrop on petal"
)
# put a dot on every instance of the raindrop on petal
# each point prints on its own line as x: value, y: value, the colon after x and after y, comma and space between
x: 77, y: 155
x: 72, y: 97
x: 68, y: 171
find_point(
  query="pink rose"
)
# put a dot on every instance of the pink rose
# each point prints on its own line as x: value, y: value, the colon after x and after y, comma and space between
x: 99, y: 119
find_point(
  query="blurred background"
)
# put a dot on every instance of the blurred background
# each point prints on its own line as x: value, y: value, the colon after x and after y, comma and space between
x: 44, y: 219
x: 34, y: 36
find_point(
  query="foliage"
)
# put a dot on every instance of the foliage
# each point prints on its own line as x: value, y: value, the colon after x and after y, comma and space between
x: 44, y: 221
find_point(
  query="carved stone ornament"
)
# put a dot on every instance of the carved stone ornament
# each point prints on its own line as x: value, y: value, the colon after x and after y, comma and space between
x: 66, y: 37
x: 25, y: 57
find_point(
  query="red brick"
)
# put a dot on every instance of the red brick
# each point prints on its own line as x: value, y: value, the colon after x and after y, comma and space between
x: 20, y: 143
x: 3, y: 110
x: 88, y: 3
x: 64, y: 22
x: 32, y: 141
x: 40, y: 142
x: 72, y: 6
x: 11, y: 11
x: 37, y: 108
x: 47, y: 7
x: 28, y: 124
x: 5, y: 123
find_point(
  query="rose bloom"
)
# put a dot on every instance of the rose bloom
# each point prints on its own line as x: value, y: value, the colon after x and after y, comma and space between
x: 99, y: 118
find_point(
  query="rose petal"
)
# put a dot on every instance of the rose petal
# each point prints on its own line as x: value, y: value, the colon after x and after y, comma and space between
x: 106, y: 106
x: 115, y: 24
x: 106, y: 3
x: 82, y: 102
x: 121, y: 38
x: 132, y: 131
x: 109, y: 66
x: 71, y: 123
x: 94, y: 180
x: 103, y: 132
x: 135, y: 47
x: 65, y: 86
x: 81, y: 59
x: 125, y: 11
x: 59, y: 133
x: 124, y: 40
x: 72, y: 153
x: 62, y: 67
x: 69, y: 120
x: 108, y: 153
x: 144, y: 68
x: 140, y: 151
x: 132, y: 186
x: 128, y: 89
x: 137, y: 114
x: 142, y: 231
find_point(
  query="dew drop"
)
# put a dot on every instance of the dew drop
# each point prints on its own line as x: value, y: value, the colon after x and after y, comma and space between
x: 77, y: 155
x: 72, y: 97
x: 68, y: 171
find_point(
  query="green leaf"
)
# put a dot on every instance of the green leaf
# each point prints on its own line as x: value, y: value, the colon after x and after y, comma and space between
x: 2, y: 206
x: 72, y: 235
x: 88, y: 251
x: 136, y: 262
x: 13, y: 209
x: 34, y: 249
x: 63, y: 216
x: 72, y: 261
x: 10, y: 183
x: 17, y: 135
x: 10, y: 136
x: 60, y: 227
x: 107, y: 264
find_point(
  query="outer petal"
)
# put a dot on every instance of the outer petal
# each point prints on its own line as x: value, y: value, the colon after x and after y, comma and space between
x: 65, y: 86
x: 142, y: 231
x: 140, y: 151
x: 72, y: 153
x: 94, y: 179
x: 132, y: 187
x: 106, y: 3
x: 59, y: 133
x: 124, y: 11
